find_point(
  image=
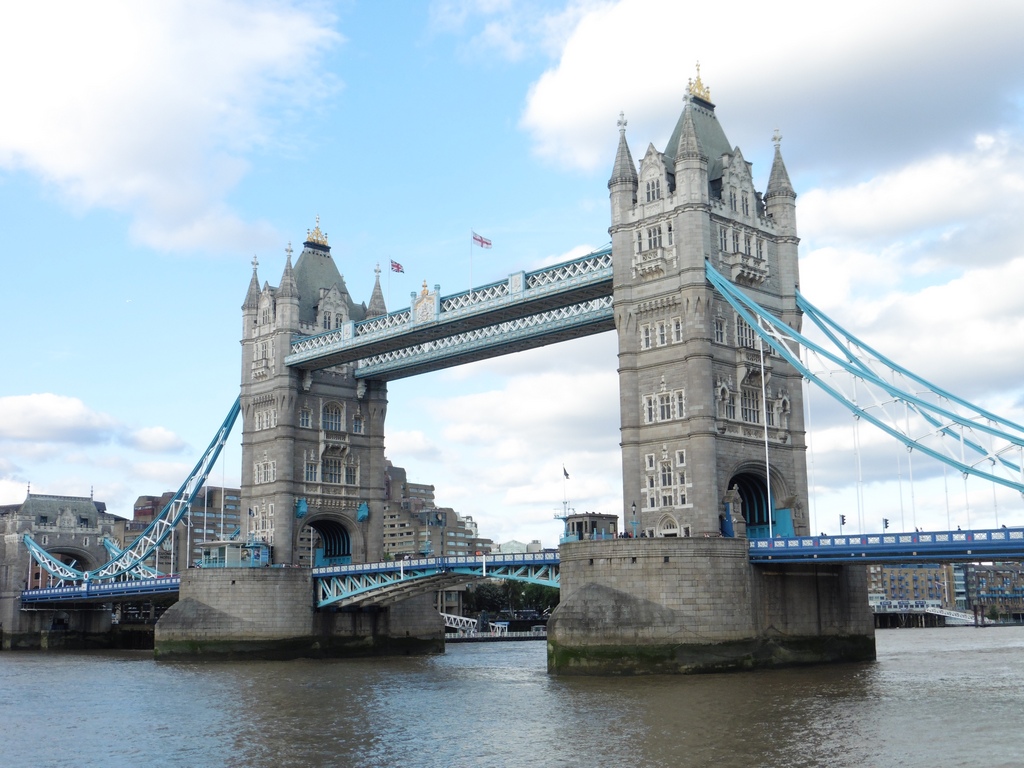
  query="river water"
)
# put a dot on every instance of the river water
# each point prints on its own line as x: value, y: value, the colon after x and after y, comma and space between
x: 935, y: 698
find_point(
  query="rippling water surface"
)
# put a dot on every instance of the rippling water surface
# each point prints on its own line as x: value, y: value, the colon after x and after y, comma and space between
x: 936, y: 698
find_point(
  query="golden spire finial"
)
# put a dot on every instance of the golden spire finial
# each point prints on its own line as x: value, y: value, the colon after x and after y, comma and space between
x: 316, y: 236
x: 697, y: 88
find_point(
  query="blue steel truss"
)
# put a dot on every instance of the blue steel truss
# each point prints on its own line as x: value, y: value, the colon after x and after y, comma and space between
x: 390, y: 582
x: 933, y: 547
x: 527, y: 310
x: 140, y: 571
x: 127, y: 563
x: 919, y: 414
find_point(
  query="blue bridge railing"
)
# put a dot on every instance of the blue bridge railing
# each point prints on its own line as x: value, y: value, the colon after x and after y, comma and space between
x: 942, y: 546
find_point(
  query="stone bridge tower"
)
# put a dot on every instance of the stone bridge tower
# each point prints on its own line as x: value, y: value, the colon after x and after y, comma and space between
x: 708, y: 444
x: 312, y: 441
x: 712, y: 434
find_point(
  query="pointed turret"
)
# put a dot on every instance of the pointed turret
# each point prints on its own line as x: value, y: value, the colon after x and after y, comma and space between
x: 691, y: 166
x: 779, y: 198
x: 288, y: 289
x: 287, y: 297
x: 689, y: 143
x: 624, y: 181
x: 624, y: 171
x: 252, y: 296
x: 778, y: 180
x: 377, y: 306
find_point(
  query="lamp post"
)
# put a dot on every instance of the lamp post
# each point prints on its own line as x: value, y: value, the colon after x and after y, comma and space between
x: 635, y: 522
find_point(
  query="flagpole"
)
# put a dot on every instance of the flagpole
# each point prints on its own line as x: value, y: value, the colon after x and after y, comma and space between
x: 471, y: 233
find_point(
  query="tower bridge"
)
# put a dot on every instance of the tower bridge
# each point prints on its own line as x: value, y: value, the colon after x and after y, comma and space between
x: 700, y: 286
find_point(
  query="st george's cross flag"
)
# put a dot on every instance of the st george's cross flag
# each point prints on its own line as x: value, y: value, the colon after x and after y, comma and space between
x: 396, y: 267
x: 482, y: 241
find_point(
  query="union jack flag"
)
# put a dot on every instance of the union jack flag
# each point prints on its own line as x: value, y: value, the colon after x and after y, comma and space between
x: 396, y: 267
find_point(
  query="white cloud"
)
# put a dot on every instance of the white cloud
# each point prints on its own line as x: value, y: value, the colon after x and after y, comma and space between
x: 929, y: 198
x: 154, y: 440
x: 150, y: 109
x: 510, y: 30
x: 834, y: 74
x: 53, y: 418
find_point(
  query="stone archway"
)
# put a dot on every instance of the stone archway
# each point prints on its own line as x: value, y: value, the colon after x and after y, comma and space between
x: 331, y: 541
x: 668, y: 527
x: 752, y: 489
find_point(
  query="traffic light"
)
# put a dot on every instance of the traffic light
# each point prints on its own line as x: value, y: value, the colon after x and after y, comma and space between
x: 842, y: 520
x: 885, y: 523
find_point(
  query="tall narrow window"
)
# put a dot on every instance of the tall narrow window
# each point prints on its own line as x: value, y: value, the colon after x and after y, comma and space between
x: 664, y: 407
x: 723, y: 239
x: 720, y: 330
x: 669, y: 233
x: 745, y: 336
x: 332, y: 418
x: 735, y: 242
x: 648, y: 409
x: 357, y: 425
x: 677, y: 330
x: 310, y: 471
x: 662, y: 337
x: 653, y: 237
x: 730, y: 407
x: 332, y: 471
x: 750, y: 406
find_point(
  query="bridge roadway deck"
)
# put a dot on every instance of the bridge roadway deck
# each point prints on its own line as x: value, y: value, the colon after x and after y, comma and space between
x: 102, y: 591
x: 388, y: 582
x: 894, y: 548
x: 577, y: 283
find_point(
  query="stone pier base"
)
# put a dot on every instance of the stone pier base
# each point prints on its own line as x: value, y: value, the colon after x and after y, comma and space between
x: 269, y: 613
x: 642, y: 606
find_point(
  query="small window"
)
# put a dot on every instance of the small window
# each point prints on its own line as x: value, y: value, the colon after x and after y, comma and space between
x: 357, y: 425
x: 662, y: 335
x: 677, y: 330
x: 304, y: 417
x: 649, y: 459
x: 723, y: 239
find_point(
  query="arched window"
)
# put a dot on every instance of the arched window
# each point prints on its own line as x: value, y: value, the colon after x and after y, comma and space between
x: 331, y: 420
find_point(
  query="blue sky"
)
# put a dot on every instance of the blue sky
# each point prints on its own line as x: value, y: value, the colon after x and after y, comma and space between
x: 148, y: 152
